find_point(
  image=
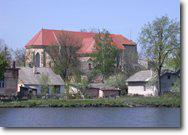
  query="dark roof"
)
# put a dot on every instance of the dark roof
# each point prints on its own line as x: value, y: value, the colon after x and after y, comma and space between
x: 101, y: 86
x: 141, y: 76
x: 146, y: 75
x: 26, y: 74
x: 168, y: 71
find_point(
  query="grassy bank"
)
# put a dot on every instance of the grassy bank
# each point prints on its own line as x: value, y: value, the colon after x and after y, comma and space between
x: 167, y: 100
x: 127, y: 101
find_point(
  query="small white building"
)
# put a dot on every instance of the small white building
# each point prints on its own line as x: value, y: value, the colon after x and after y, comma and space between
x: 138, y: 83
x: 30, y: 78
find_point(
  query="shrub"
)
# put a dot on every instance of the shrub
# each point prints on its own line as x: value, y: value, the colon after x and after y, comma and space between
x: 176, y: 87
x: 118, y: 81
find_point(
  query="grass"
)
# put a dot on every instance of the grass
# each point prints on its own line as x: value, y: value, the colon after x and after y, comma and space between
x: 126, y: 101
x: 168, y: 100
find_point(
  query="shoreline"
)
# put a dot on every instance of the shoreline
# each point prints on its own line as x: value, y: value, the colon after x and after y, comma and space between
x: 92, y: 107
x: 127, y: 101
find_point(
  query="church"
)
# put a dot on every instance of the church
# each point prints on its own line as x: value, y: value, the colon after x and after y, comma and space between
x: 36, y: 48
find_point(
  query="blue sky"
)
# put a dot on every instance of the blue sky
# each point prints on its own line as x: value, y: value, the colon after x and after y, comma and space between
x: 21, y: 19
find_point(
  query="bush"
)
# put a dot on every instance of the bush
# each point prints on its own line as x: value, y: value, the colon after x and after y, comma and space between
x: 118, y: 81
x: 176, y: 87
x: 54, y: 90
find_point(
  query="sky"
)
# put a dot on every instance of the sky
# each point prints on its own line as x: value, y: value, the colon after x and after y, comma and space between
x: 20, y: 20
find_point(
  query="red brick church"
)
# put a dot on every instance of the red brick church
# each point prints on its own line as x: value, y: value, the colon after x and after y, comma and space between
x: 35, y: 48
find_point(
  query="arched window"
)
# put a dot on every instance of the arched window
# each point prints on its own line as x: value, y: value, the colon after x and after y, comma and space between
x: 37, y: 60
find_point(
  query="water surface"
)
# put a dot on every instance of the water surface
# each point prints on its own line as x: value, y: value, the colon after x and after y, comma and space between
x: 90, y: 117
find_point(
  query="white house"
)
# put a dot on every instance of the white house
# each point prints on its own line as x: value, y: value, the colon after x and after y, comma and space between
x: 138, y: 83
x: 30, y: 78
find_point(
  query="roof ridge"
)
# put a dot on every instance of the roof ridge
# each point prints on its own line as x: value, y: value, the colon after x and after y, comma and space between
x: 68, y: 31
x: 85, y: 32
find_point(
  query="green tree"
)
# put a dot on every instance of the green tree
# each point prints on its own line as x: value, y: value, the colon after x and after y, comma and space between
x: 54, y: 90
x: 174, y: 62
x: 106, y: 54
x: 3, y: 65
x: 6, y: 51
x: 4, y: 58
x: 118, y: 81
x: 159, y: 40
x: 64, y: 55
x: 20, y: 57
x: 44, y: 81
x: 176, y: 87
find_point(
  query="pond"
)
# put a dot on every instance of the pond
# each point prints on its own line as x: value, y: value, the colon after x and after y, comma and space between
x: 90, y: 117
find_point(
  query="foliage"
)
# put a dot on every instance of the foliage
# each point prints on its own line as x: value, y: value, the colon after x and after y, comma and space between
x: 106, y: 54
x: 54, y: 90
x: 64, y: 55
x: 168, y: 100
x: 20, y: 57
x: 174, y: 62
x: 159, y: 40
x: 6, y: 51
x: 3, y: 65
x: 118, y: 81
x: 92, y: 74
x: 131, y: 68
x: 176, y: 87
x: 153, y: 80
x: 44, y: 81
x: 82, y: 86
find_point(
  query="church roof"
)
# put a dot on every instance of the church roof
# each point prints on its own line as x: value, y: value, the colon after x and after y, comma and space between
x: 46, y: 37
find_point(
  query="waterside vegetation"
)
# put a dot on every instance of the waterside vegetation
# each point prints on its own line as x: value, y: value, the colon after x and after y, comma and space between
x: 167, y: 100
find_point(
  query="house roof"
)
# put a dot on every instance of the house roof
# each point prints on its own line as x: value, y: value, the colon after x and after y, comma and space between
x: 141, y: 76
x: 168, y: 71
x: 27, y: 76
x: 101, y: 86
x: 146, y: 75
x: 46, y: 37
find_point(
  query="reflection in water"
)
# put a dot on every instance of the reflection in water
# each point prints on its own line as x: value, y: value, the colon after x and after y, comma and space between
x: 90, y: 117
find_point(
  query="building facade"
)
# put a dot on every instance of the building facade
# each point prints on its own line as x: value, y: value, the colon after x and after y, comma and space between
x: 34, y: 78
x: 141, y: 83
x: 8, y: 86
x: 37, y: 48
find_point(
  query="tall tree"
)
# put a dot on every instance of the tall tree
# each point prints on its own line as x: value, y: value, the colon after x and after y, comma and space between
x: 3, y: 65
x: 20, y: 57
x: 6, y: 51
x: 159, y: 40
x: 105, y: 58
x: 44, y: 81
x: 4, y: 58
x: 64, y: 55
x: 174, y: 62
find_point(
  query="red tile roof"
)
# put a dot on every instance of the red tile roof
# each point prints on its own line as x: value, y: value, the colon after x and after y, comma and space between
x: 46, y: 37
